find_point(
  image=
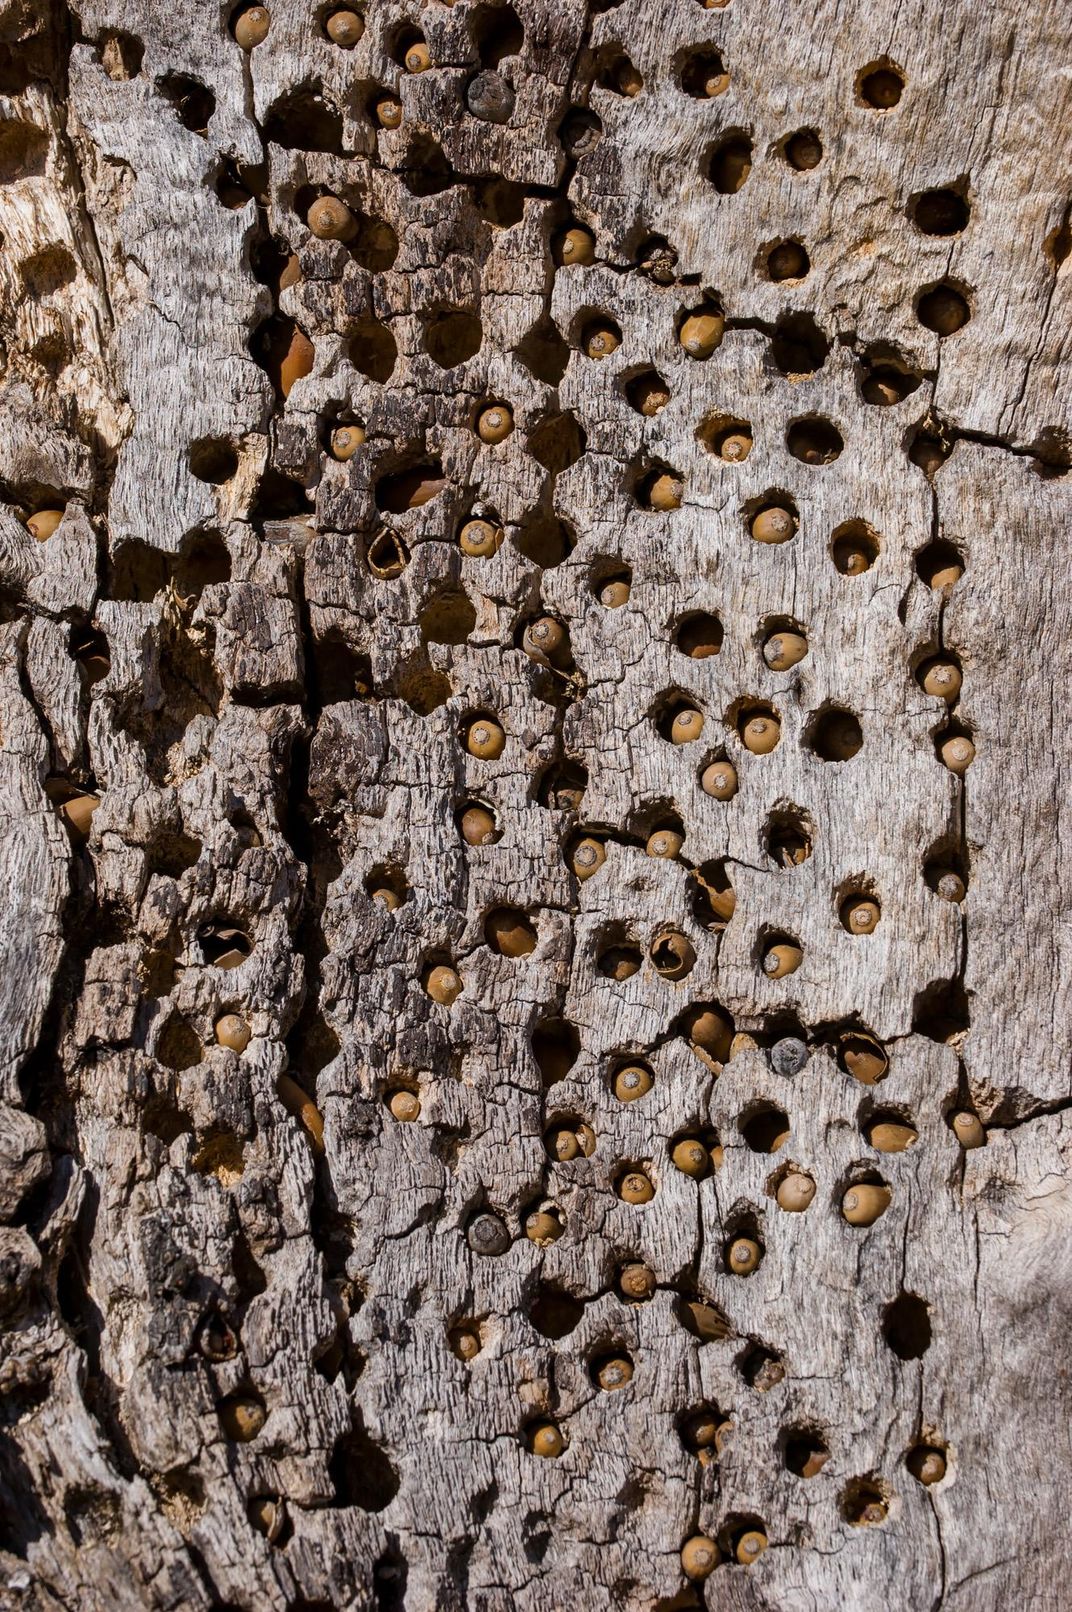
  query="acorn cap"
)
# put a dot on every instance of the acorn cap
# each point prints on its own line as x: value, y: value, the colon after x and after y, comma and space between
x: 699, y: 1557
x: 795, y: 1192
x: 705, y: 1321
x: 77, y: 814
x: 672, y: 955
x: 864, y: 1202
x: 719, y: 779
x: 632, y: 1081
x: 233, y: 1032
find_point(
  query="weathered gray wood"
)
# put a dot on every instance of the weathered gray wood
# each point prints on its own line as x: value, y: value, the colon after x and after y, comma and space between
x: 277, y: 734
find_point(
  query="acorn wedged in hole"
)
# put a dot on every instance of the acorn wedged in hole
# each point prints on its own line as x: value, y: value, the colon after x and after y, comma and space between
x: 444, y: 984
x: 760, y: 732
x: 699, y: 1557
x: 464, y: 1342
x: 43, y: 523
x: 795, y: 1192
x: 743, y: 1256
x: 543, y: 1227
x: 587, y: 856
x: 404, y: 1106
x: 546, y: 641
x: 706, y: 1433
x: 345, y: 441
x: 864, y: 1202
x: 329, y: 219
x: 926, y: 1464
x: 968, y: 1129
x: 860, y: 915
x: 686, y: 725
x: 957, y: 752
x: 614, y: 1373
x: 494, y: 423
x: 648, y: 394
x: 690, y: 1157
x: 388, y: 111
x: 232, y: 1032
x: 480, y: 539
x: 418, y: 57
x: 750, y: 1546
x: 546, y: 1441
x: 485, y: 739
x: 241, y: 1417
x: 891, y: 1135
x: 634, y: 1187
x: 804, y: 150
x: 251, y: 27
x: 776, y: 524
x: 783, y: 958
x: 477, y: 825
x: 710, y: 1030
x: 719, y: 780
x: 636, y: 1282
x: 863, y: 1057
x: 487, y: 1235
x: 345, y: 28
x: 662, y: 492
x: 701, y: 332
x: 615, y: 592
x: 664, y: 844
x: 574, y: 246
x: 784, y: 649
x: 509, y: 932
x: 600, y: 340
x: 941, y: 678
x: 632, y: 1081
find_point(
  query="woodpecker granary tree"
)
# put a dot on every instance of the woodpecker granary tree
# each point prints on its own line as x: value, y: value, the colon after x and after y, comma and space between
x: 534, y: 760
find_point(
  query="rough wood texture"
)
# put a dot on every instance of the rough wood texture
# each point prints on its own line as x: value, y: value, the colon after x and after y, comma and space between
x: 201, y: 1244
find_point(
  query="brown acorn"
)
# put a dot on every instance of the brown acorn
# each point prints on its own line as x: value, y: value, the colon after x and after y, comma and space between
x: 42, y: 524
x: 701, y: 332
x: 444, y: 984
x: 795, y: 1192
x: 344, y: 28
x: 719, y: 780
x: 743, y: 1256
x: 232, y: 1032
x: 575, y: 246
x: 251, y: 27
x: 485, y: 739
x: 773, y: 525
x: 480, y: 539
x: 864, y: 1202
x: 345, y: 441
x: 477, y: 825
x: 494, y: 423
x: 699, y: 1557
x: 329, y: 219
x: 634, y: 1187
x: 587, y: 857
x: 632, y: 1081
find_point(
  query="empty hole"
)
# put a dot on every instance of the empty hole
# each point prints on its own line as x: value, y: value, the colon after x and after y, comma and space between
x: 836, y: 735
x: 731, y: 163
x: 48, y: 271
x: 178, y: 1045
x: 496, y: 32
x: 302, y: 120
x: 805, y: 1453
x: 500, y: 201
x: 939, y: 212
x: 620, y: 76
x: 449, y: 618
x: 23, y: 150
x: 213, y: 459
x: 940, y: 1011
x: 427, y: 171
x: 620, y: 959
x: 139, y: 572
x: 803, y: 150
x: 205, y: 561
x: 885, y: 379
x: 375, y: 246
x: 814, y: 441
x: 543, y: 539
x: 798, y: 347
x: 699, y: 636
x: 943, y: 309
x: 361, y: 1471
x: 864, y: 1503
x: 372, y: 350
x: 423, y: 688
x: 194, y: 103
x: 766, y: 1130
x: 410, y: 488
x: 223, y: 944
x: 452, y: 336
x: 555, y: 1313
x: 761, y: 1368
x: 929, y: 449
x: 906, y: 1326
x: 880, y: 85
x: 704, y: 75
x: 556, y: 1047
x: 544, y: 352
x: 787, y: 839
x: 557, y: 441
x: 121, y: 55
x: 853, y: 548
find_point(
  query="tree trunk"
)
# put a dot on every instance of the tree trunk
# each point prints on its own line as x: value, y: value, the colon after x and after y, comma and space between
x: 490, y: 713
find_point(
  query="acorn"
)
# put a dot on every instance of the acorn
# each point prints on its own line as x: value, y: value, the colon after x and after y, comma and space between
x: 615, y: 592
x: 943, y: 310
x: 627, y: 79
x: 711, y: 1031
x: 784, y: 649
x: 699, y: 1557
x: 296, y: 361
x: 701, y: 332
x: 719, y: 779
x: 614, y: 1373
x: 947, y: 883
x: 731, y: 166
x: 891, y: 1136
x: 734, y: 446
x: 443, y: 984
x: 543, y: 1227
x: 546, y: 1441
x: 704, y: 1430
x: 43, y: 523
x: 665, y: 844
x: 649, y: 395
x: 345, y: 441
x: 563, y: 1144
x: 672, y: 955
x: 860, y: 915
x: 480, y: 539
x: 574, y: 246
x: 344, y: 28
x: 487, y: 1235
x: 690, y: 1157
x: 864, y: 1202
x: 477, y: 825
x: 795, y: 1192
x: 494, y: 423
x: 700, y: 637
x: 388, y: 111
x: 634, y: 1187
x: 232, y: 1032
x: 620, y: 962
x: 632, y: 1081
x: 636, y: 1282
x: 241, y: 1417
x: 464, y: 1342
x: 251, y: 27
x: 926, y: 1464
x: 941, y: 571
x: 587, y: 857
x: 773, y: 525
x: 837, y: 736
x: 787, y: 261
x: 704, y: 1321
x: 781, y: 959
x: 750, y: 1546
x: 329, y: 219
x: 686, y: 725
x: 600, y: 340
x: 405, y: 1106
x: 77, y: 814
x: 485, y: 739
x: 942, y: 678
x: 387, y: 897
x: 957, y: 753
x: 297, y: 1102
x: 418, y: 57
x: 852, y: 556
x: 968, y: 1129
x: 545, y: 640
x: 863, y: 1057
x: 508, y: 932
x: 743, y: 1256
x: 663, y: 492
x: 804, y: 150
x: 760, y: 733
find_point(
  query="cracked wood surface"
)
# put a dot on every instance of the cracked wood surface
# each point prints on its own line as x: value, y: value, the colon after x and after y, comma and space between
x: 201, y: 1243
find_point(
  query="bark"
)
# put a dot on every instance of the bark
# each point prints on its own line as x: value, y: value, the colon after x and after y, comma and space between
x: 233, y: 1281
